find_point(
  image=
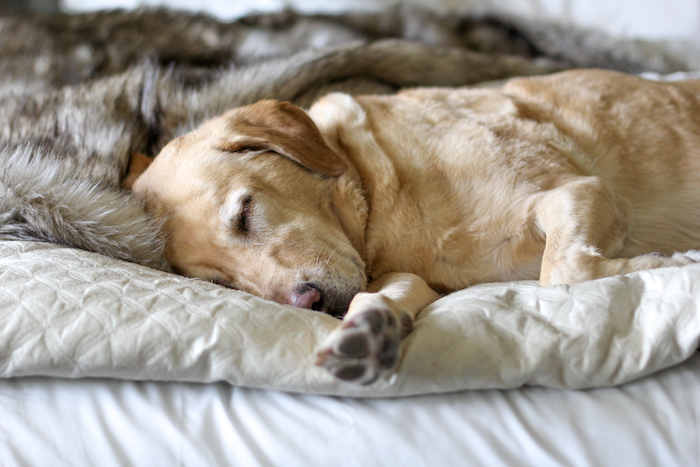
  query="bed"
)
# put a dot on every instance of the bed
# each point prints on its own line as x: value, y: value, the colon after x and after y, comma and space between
x: 107, y: 358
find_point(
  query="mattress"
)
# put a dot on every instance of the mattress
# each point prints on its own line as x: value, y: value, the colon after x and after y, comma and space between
x: 57, y: 422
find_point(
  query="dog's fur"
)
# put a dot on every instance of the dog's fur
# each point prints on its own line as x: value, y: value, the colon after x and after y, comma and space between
x: 566, y: 178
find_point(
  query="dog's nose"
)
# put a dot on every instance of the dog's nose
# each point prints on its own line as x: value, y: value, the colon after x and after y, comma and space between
x: 306, y: 296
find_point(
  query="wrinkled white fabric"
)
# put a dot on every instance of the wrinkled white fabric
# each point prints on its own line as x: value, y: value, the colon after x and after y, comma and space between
x: 652, y: 422
x: 71, y: 313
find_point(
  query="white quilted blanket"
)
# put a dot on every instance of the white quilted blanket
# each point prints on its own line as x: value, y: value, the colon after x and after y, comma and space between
x: 71, y: 313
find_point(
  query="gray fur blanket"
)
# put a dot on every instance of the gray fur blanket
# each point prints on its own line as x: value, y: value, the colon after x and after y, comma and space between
x: 79, y: 94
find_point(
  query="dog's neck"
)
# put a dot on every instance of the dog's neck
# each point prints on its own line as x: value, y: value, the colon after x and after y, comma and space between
x: 342, y: 123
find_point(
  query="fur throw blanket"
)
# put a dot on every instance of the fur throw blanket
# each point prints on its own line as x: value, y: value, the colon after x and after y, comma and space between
x: 80, y: 93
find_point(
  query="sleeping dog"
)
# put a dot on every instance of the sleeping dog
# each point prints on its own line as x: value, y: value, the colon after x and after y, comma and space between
x: 369, y: 208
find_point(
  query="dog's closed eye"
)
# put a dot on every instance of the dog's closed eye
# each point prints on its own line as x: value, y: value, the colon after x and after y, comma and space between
x: 243, y: 221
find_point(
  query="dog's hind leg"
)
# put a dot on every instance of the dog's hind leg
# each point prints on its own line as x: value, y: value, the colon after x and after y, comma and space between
x: 585, y: 225
x: 366, y: 344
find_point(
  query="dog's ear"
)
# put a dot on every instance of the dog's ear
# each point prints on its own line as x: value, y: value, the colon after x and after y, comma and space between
x: 283, y: 128
x: 138, y: 163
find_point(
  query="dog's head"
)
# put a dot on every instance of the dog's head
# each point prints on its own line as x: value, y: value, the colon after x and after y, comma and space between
x: 247, y: 201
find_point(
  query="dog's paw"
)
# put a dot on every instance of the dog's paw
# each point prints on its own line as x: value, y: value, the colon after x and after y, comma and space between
x: 364, y: 346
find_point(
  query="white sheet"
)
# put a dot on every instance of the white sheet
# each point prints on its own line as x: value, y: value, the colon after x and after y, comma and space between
x: 72, y: 313
x: 52, y: 422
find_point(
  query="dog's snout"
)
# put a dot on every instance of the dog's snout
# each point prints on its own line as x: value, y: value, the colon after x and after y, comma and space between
x: 306, y: 296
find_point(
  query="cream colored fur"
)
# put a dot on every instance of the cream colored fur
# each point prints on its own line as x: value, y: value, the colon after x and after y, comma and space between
x: 381, y: 203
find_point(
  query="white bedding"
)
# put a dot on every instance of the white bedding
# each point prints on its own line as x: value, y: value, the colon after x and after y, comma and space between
x: 653, y: 422
x: 72, y: 313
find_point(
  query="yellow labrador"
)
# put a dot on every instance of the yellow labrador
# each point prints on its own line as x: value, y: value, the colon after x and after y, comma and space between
x: 370, y: 207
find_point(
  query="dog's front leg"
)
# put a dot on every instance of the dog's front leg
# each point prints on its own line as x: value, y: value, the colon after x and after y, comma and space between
x: 366, y: 344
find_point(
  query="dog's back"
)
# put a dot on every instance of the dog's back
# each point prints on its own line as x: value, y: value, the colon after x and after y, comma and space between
x: 470, y: 165
x: 641, y: 137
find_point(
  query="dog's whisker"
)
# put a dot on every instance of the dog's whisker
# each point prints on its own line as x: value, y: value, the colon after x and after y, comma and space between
x: 331, y: 254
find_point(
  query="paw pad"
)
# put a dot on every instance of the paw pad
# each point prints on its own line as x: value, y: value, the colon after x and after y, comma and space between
x: 363, y: 347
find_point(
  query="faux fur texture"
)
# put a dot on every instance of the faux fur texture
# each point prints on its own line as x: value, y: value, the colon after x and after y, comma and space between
x: 41, y: 52
x: 43, y: 199
x: 79, y: 94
